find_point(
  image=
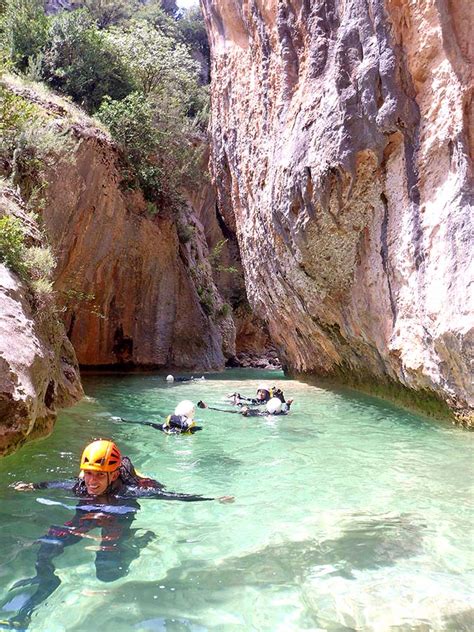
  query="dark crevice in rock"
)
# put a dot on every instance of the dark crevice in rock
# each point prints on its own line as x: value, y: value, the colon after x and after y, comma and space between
x: 71, y: 326
x: 50, y: 394
x: 385, y: 256
x: 286, y: 34
x: 410, y: 149
x: 123, y: 346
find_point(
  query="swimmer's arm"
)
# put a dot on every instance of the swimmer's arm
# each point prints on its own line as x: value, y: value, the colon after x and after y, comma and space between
x: 26, y: 487
x: 252, y: 412
x: 187, y: 498
x: 202, y: 404
x: 143, y: 423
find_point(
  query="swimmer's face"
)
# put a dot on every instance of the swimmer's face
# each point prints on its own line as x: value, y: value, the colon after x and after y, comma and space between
x: 261, y: 394
x: 97, y: 482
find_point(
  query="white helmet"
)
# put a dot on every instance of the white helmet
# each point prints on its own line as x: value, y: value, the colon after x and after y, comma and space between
x: 169, y: 378
x: 274, y: 406
x: 186, y: 408
x: 263, y: 387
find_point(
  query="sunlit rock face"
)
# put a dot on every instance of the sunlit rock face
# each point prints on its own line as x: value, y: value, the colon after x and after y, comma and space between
x: 127, y: 284
x: 341, y: 148
x: 123, y: 273
x: 38, y: 368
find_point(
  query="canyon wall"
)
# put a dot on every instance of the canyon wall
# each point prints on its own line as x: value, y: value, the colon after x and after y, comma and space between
x: 253, y: 346
x: 38, y: 369
x: 342, y: 149
x: 133, y: 292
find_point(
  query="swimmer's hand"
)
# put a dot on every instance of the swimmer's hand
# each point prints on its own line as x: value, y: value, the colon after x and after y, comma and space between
x: 233, y: 396
x: 202, y: 404
x: 23, y: 487
x: 226, y: 499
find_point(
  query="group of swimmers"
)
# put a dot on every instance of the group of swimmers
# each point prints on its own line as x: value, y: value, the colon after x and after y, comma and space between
x: 108, y: 487
x: 183, y: 422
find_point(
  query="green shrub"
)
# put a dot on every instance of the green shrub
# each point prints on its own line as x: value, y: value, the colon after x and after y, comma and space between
x: 81, y: 61
x: 43, y: 294
x: 130, y: 122
x: 12, y: 244
x: 34, y: 264
x: 30, y: 143
x: 224, y: 310
x: 24, y: 28
x: 206, y: 300
x: 38, y: 146
x: 108, y: 12
x: 151, y: 209
x: 185, y: 232
x: 15, y: 113
x: 215, y: 257
x: 40, y: 262
x: 158, y: 156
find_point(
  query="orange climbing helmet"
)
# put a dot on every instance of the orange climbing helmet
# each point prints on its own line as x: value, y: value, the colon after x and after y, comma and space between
x: 101, y: 456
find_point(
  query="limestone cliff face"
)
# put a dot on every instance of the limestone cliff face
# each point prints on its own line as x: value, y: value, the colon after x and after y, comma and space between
x: 131, y: 292
x: 249, y: 341
x: 127, y: 278
x: 38, y: 369
x: 341, y: 147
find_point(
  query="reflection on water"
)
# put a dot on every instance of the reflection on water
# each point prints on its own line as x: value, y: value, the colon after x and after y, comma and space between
x: 350, y: 514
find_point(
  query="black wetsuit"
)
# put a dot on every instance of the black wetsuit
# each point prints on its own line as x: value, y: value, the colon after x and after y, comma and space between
x: 175, y: 424
x: 112, y: 513
x: 274, y: 392
x: 248, y: 412
x: 253, y: 412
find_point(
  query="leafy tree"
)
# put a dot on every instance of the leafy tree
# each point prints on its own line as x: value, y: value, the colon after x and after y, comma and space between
x: 109, y: 12
x: 159, y: 155
x: 24, y: 30
x: 82, y: 61
x: 164, y: 69
x: 192, y: 31
x: 154, y: 14
x: 130, y: 122
x: 159, y: 63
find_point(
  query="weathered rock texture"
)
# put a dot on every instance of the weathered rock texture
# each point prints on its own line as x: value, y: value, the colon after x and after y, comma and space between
x: 251, y: 343
x: 144, y: 308
x: 38, y: 368
x: 133, y: 293
x: 341, y: 146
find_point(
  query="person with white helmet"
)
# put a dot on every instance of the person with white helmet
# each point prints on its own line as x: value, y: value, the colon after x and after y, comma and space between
x: 264, y: 395
x: 171, y: 379
x: 180, y: 422
x: 274, y: 406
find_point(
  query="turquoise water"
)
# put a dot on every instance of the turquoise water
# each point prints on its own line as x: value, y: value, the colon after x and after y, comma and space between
x: 349, y: 514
